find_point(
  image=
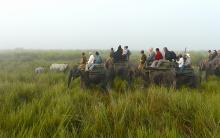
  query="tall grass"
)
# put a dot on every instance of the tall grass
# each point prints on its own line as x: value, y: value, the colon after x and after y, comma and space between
x: 42, y: 106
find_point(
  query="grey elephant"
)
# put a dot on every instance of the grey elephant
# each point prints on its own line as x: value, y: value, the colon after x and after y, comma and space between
x: 103, y: 77
x: 210, y: 67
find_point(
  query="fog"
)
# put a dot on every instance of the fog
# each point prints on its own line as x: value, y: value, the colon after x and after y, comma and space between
x: 102, y: 24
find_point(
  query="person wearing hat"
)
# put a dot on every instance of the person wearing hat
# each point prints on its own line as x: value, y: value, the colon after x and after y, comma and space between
x: 187, y: 60
x: 90, y: 61
x: 142, y: 60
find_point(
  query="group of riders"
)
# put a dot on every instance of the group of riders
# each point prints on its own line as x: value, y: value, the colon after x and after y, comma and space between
x: 156, y: 58
x: 213, y: 55
x: 121, y: 55
x: 153, y: 59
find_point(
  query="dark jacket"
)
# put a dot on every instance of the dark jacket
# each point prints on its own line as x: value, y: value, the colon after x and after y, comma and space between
x: 118, y: 55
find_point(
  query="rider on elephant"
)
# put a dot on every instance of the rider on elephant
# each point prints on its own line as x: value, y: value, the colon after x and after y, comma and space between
x: 97, y: 60
x: 210, y: 55
x: 118, y: 54
x: 90, y: 61
x: 151, y: 56
x: 83, y: 61
x: 142, y: 60
x: 112, y: 53
x: 169, y: 55
x: 215, y: 54
x: 126, y: 54
x: 158, y: 57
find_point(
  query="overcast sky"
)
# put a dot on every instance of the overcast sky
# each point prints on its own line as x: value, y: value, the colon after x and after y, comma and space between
x: 95, y: 24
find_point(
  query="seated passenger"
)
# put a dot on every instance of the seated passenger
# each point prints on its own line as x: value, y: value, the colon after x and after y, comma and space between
x: 210, y: 55
x: 118, y: 54
x: 83, y: 61
x: 111, y: 53
x: 180, y: 61
x: 158, y: 57
x: 169, y: 55
x: 97, y: 60
x: 126, y: 53
x: 142, y: 60
x: 215, y: 54
x: 90, y: 61
x: 109, y: 64
x: 187, y: 60
x: 151, y: 56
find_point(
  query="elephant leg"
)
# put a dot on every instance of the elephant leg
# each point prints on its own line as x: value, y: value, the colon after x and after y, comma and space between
x: 109, y: 85
x: 82, y: 84
x: 104, y: 87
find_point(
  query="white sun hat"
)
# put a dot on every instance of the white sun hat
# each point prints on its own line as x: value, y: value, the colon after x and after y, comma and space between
x: 188, y: 55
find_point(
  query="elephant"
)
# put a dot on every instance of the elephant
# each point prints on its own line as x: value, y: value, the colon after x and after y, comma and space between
x: 210, y: 67
x: 104, y: 77
x: 169, y: 77
x: 88, y: 79
x: 163, y: 77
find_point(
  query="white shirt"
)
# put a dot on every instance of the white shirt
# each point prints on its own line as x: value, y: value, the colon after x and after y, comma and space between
x: 91, y: 59
x: 125, y: 52
x: 181, y: 62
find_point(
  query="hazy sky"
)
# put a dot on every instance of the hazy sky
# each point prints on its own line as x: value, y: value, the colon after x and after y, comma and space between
x: 94, y: 24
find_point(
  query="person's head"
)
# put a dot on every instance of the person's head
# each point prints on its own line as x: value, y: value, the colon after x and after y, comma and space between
x: 142, y: 51
x: 90, y: 53
x: 96, y: 53
x: 83, y: 54
x: 209, y: 51
x: 126, y: 47
x: 180, y: 56
x: 165, y: 49
x: 187, y: 55
x: 112, y: 49
x: 215, y: 51
x: 119, y: 47
x: 157, y: 49
x: 150, y: 49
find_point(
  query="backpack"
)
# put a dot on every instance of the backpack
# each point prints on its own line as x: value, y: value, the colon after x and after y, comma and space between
x: 173, y: 55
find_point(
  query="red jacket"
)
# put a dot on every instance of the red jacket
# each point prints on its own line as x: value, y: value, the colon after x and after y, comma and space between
x: 158, y: 56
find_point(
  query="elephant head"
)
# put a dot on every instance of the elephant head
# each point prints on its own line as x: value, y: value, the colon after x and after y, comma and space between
x: 73, y: 74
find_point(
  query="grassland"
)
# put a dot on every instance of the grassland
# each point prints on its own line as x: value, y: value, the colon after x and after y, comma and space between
x: 42, y: 106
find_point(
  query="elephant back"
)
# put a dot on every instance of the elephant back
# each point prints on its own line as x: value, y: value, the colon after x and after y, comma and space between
x: 97, y: 71
x: 166, y: 64
x: 120, y: 66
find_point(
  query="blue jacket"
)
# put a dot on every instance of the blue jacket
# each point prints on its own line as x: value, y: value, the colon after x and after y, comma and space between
x: 98, y: 59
